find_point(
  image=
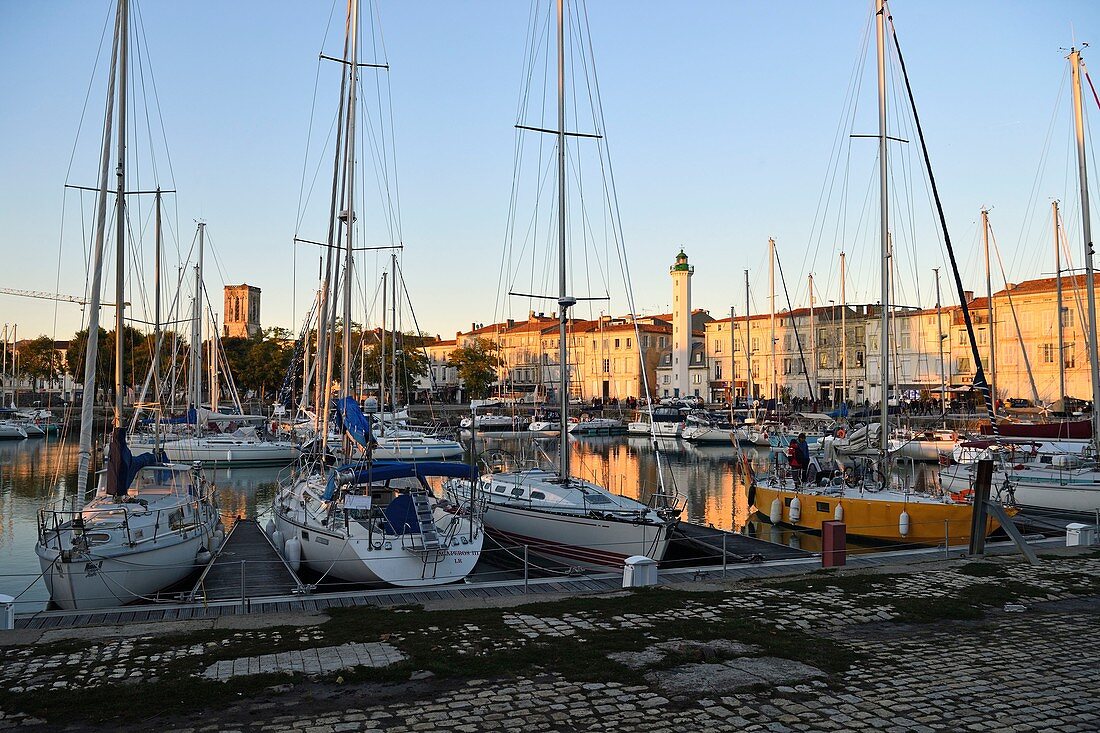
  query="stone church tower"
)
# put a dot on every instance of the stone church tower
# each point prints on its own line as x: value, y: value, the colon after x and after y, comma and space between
x: 241, y: 318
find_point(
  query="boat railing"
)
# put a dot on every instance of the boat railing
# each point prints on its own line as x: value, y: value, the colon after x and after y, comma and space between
x: 53, y: 523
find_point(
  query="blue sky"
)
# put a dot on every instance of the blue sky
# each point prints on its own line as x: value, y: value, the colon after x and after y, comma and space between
x: 721, y: 119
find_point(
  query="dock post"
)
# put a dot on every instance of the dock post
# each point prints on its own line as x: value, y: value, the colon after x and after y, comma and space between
x: 525, y: 573
x: 834, y: 546
x: 724, y: 559
x: 983, y: 478
x: 244, y: 597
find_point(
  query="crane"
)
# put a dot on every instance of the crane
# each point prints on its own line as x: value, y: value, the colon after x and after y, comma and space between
x: 41, y: 295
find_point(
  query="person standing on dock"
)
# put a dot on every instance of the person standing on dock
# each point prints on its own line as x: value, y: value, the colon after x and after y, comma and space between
x: 803, y: 451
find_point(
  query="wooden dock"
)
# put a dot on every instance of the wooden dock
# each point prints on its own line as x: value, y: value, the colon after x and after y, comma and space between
x: 247, y: 565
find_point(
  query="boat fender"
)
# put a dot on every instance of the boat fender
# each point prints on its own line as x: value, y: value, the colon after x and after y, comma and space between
x: 903, y: 524
x: 776, y: 512
x: 838, y: 513
x: 796, y: 510
x: 270, y: 527
x: 219, y: 537
x: 203, y: 557
x: 277, y: 540
x: 229, y: 455
x: 293, y: 553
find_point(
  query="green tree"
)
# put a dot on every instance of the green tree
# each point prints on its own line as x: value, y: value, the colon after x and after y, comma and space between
x: 411, y: 361
x: 477, y: 365
x: 74, y: 357
x: 39, y: 360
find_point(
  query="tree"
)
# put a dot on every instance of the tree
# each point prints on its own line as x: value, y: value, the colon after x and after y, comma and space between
x: 74, y: 356
x: 39, y: 360
x: 477, y: 365
x: 412, y: 362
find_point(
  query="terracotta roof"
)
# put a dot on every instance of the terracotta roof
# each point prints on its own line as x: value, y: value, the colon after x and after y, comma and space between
x: 1049, y: 284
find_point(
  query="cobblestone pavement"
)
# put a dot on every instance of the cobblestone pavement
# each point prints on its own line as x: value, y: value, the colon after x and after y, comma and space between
x: 939, y: 649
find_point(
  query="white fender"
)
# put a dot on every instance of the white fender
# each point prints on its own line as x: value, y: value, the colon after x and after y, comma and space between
x: 203, y: 558
x: 293, y: 553
x: 277, y: 540
x: 796, y: 510
x: 838, y: 513
x: 219, y: 538
x: 270, y: 527
x: 776, y: 512
x: 229, y: 455
x: 903, y: 524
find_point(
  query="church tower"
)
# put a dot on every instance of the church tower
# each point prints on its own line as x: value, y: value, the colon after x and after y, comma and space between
x: 241, y: 318
x: 681, y: 273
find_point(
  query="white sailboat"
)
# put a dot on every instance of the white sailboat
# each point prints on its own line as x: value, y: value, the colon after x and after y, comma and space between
x: 1063, y: 483
x: 550, y: 511
x: 150, y: 521
x: 367, y: 520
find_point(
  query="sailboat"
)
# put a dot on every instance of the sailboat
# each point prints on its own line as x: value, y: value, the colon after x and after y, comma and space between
x: 871, y: 504
x: 365, y: 520
x: 1065, y: 483
x: 551, y: 512
x: 150, y: 521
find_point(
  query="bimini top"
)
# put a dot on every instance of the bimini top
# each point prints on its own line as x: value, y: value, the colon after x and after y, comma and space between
x: 377, y: 471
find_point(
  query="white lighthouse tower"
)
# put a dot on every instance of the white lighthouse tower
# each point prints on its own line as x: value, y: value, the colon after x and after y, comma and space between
x: 681, y: 273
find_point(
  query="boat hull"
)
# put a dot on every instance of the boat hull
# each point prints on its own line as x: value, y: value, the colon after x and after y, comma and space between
x: 1070, y: 492
x: 874, y: 519
x: 364, y: 559
x: 578, y: 541
x: 90, y: 582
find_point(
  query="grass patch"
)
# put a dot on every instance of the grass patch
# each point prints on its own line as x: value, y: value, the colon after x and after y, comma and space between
x: 998, y: 594
x: 982, y: 570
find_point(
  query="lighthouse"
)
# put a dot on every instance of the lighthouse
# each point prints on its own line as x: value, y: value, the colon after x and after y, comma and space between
x: 681, y: 273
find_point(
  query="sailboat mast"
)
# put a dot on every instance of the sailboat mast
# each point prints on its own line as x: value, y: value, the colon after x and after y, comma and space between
x: 884, y: 223
x: 91, y: 351
x: 382, y: 367
x: 564, y: 301
x: 196, y: 335
x: 1061, y: 329
x: 156, y: 306
x: 120, y: 210
x: 843, y: 330
x: 393, y: 345
x: 771, y: 299
x: 1086, y: 231
x: 939, y: 338
x: 989, y: 310
x: 748, y: 352
x: 349, y: 192
x: 813, y: 339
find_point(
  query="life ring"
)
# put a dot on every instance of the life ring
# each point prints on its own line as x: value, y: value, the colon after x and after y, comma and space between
x: 841, y: 433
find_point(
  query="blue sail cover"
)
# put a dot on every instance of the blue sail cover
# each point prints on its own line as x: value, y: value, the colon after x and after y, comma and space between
x: 379, y: 471
x: 123, y: 466
x: 354, y: 422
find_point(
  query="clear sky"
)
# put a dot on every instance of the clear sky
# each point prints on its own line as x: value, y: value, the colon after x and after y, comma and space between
x: 721, y: 117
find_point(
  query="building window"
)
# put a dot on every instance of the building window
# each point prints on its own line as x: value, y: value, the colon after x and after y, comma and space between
x: 628, y: 343
x: 616, y: 343
x: 787, y: 342
x: 1048, y: 351
x: 696, y: 379
x: 1069, y: 361
x: 665, y: 380
x: 755, y: 343
x: 962, y: 338
x: 717, y: 346
x: 964, y: 364
x: 859, y: 359
x: 1067, y: 318
x: 823, y: 362
x: 786, y: 366
x: 606, y: 366
x: 718, y: 370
